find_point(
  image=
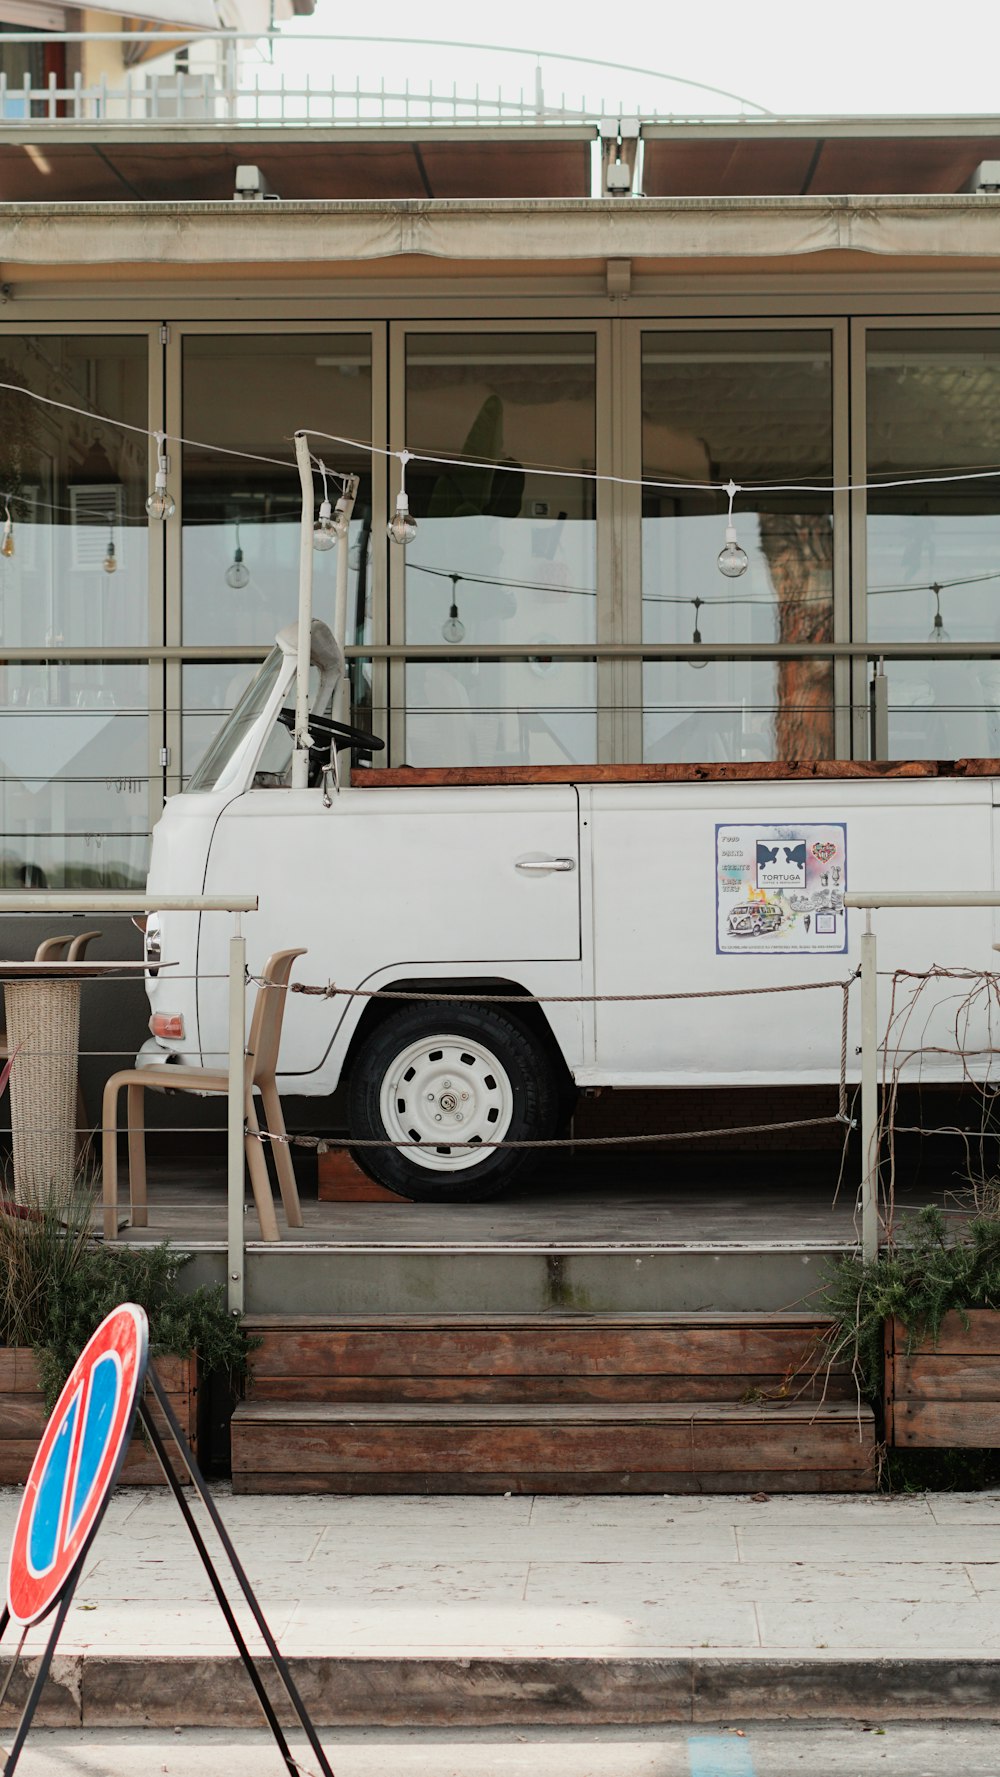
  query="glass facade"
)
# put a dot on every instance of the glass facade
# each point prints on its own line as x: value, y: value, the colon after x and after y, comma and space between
x: 125, y: 643
x: 74, y: 752
x: 248, y: 394
x: 756, y: 409
x: 934, y: 551
x: 503, y: 554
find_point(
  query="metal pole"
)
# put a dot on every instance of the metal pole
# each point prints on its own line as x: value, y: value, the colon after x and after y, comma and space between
x: 869, y: 1094
x: 880, y: 712
x: 342, y: 694
x: 236, y: 1254
x: 150, y: 1427
x: 280, y: 1663
x: 113, y: 901
x: 300, y: 757
x: 345, y: 506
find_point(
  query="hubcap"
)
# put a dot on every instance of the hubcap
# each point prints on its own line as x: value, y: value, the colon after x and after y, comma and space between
x: 449, y: 1094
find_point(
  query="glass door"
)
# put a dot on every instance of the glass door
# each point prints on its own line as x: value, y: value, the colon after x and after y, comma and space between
x: 504, y: 425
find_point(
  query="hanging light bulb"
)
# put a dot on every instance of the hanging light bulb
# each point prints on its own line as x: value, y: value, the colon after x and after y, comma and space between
x: 237, y: 573
x: 401, y: 527
x: 938, y: 631
x: 325, y: 532
x: 340, y: 521
x: 7, y: 540
x: 696, y: 637
x: 733, y: 561
x: 161, y: 503
x: 110, y: 562
x: 453, y: 629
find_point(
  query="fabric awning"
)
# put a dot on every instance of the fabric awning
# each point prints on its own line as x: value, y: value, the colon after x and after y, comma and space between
x: 198, y: 14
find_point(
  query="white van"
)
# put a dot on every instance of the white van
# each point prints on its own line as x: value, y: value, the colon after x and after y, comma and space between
x: 583, y: 889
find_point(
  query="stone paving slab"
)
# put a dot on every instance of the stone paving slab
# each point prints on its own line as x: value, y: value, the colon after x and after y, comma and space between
x: 444, y: 1610
x: 952, y: 1750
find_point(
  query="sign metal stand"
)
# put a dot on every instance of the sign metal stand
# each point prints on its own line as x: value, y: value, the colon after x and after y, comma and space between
x: 72, y: 1479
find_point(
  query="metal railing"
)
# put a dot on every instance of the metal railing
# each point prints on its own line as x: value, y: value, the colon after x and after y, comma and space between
x: 245, y: 86
x: 60, y: 901
x: 869, y: 901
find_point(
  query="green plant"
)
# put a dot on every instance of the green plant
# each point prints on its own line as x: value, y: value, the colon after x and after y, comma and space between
x: 57, y: 1283
x: 920, y: 1278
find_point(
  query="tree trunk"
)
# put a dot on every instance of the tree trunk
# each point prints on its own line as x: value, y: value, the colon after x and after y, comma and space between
x: 798, y: 549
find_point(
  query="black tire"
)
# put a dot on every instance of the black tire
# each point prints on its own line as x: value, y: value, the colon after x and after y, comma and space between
x: 452, y: 1047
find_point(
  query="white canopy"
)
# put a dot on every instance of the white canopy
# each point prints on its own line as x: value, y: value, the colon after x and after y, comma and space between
x: 205, y: 15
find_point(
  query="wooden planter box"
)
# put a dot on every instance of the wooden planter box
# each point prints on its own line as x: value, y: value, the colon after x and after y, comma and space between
x: 23, y: 1416
x: 947, y: 1395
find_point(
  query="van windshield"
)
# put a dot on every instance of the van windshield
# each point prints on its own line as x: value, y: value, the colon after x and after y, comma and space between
x: 237, y: 726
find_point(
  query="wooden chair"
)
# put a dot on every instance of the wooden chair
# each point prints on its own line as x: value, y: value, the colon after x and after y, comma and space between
x: 259, y: 1070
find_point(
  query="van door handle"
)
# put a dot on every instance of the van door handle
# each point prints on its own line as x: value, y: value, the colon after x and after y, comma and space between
x: 546, y: 864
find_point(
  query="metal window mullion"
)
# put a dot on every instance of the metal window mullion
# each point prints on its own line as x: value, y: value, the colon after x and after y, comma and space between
x: 380, y: 546
x: 862, y: 738
x: 842, y: 615
x: 608, y: 557
x: 172, y: 422
x: 395, y: 734
x: 156, y: 568
x: 629, y: 467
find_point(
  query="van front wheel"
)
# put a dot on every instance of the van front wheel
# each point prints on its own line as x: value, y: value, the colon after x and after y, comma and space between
x: 447, y: 1082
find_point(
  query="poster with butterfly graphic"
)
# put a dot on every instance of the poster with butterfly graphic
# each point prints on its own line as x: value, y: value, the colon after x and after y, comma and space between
x: 780, y: 889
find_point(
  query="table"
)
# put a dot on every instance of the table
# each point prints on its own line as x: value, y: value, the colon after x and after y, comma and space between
x: 43, y: 1027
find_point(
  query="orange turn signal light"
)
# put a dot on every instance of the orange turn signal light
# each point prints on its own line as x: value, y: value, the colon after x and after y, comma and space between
x: 167, y: 1024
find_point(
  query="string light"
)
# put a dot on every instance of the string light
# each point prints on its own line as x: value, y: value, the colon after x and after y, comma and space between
x: 938, y: 631
x: 930, y: 478
x: 325, y: 530
x: 697, y: 638
x: 161, y: 503
x: 237, y: 573
x: 110, y: 562
x: 733, y: 561
x: 401, y: 527
x: 453, y: 629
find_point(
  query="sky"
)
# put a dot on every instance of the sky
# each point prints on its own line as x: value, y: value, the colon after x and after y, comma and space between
x: 790, y: 57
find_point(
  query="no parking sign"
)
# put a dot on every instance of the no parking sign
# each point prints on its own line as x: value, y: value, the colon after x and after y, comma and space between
x: 76, y: 1464
x: 71, y: 1480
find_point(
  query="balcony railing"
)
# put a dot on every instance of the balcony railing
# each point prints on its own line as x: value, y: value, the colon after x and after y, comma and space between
x: 237, y: 81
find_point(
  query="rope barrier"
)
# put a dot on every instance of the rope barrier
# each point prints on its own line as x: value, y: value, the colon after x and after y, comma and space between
x: 333, y: 991
x: 321, y: 1144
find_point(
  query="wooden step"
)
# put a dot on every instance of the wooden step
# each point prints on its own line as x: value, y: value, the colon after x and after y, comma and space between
x: 554, y: 1357
x: 669, y: 1447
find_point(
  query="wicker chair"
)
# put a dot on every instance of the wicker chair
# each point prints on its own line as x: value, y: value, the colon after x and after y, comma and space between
x: 258, y: 1076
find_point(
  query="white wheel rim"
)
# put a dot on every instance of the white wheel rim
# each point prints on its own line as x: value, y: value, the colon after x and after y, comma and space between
x: 451, y: 1095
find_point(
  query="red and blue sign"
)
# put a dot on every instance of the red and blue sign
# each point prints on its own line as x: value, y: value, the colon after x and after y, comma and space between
x: 77, y: 1463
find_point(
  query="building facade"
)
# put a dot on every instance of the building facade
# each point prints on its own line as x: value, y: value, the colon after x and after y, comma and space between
x: 579, y: 358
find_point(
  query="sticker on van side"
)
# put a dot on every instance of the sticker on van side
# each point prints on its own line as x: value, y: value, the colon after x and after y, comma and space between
x: 781, y: 889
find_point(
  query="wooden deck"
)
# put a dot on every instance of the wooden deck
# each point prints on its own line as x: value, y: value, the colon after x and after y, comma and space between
x: 646, y: 1201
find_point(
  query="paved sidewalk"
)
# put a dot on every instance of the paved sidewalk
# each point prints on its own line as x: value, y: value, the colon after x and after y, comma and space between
x: 488, y: 1610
